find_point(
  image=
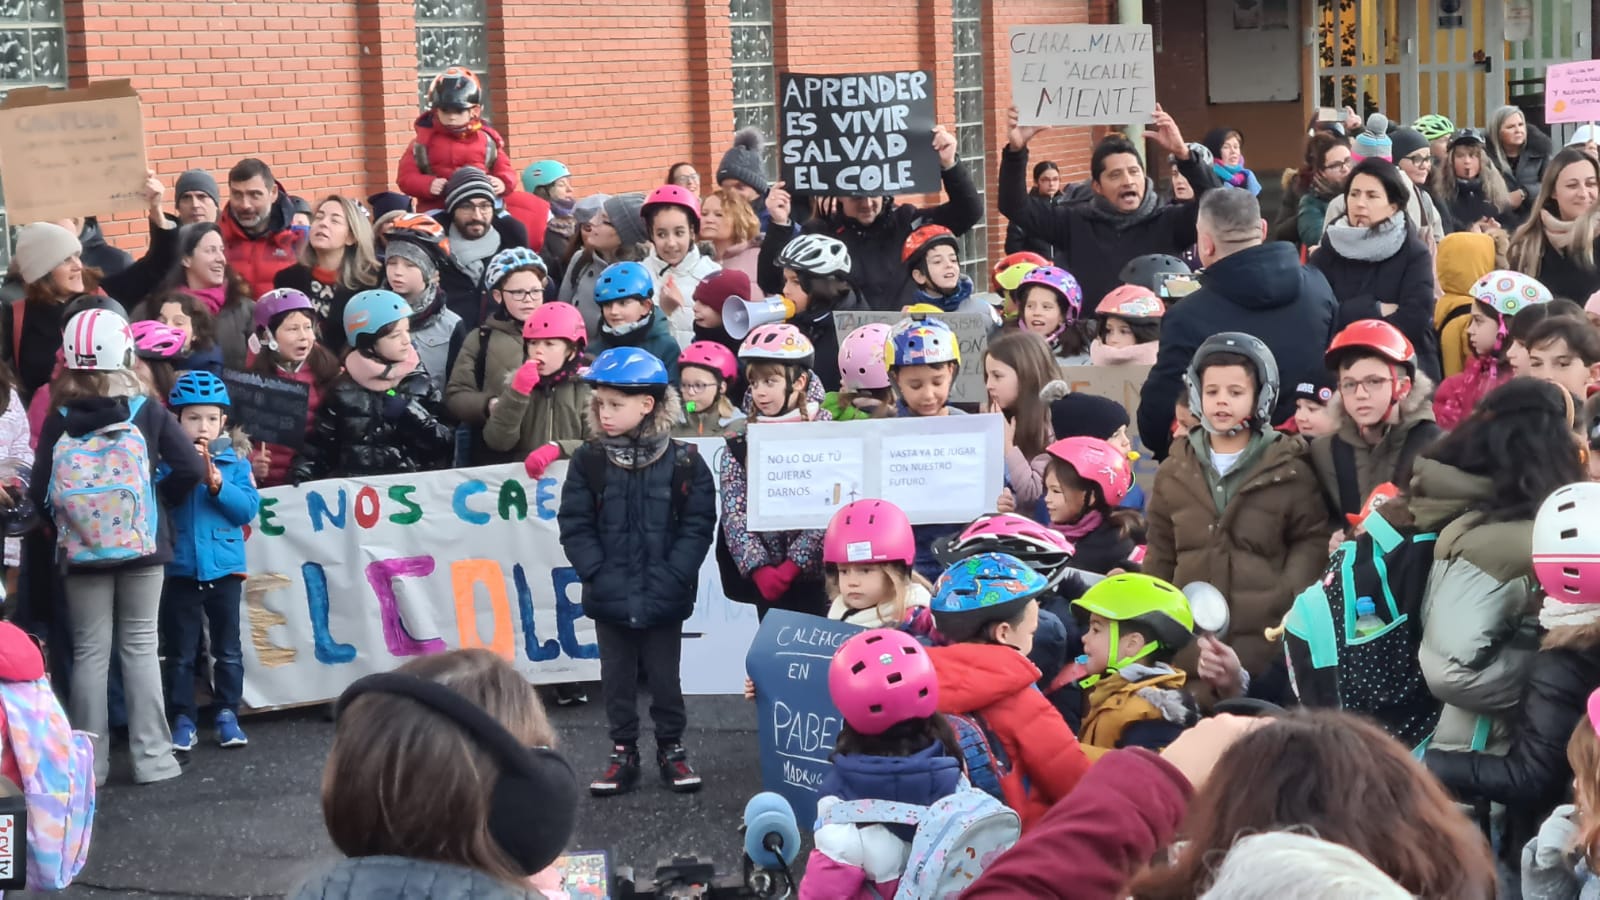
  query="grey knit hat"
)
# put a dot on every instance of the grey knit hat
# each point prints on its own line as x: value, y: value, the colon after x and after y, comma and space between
x: 624, y: 210
x: 415, y: 254
x: 41, y: 246
x: 467, y: 183
x: 198, y: 180
x: 742, y: 162
x: 589, y: 207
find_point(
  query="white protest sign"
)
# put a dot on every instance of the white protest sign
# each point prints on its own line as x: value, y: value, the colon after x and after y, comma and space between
x: 1083, y: 74
x: 939, y: 470
x: 353, y: 576
x: 972, y: 336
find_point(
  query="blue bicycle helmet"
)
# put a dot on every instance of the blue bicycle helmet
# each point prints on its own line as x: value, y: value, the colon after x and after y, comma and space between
x: 543, y: 173
x: 369, y: 311
x: 197, y: 387
x: 506, y: 262
x: 921, y: 341
x: 981, y: 589
x: 624, y: 281
x: 627, y: 367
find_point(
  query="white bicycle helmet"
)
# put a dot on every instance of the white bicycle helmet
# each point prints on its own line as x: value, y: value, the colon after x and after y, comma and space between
x: 98, y: 340
x: 1566, y: 544
x: 816, y: 254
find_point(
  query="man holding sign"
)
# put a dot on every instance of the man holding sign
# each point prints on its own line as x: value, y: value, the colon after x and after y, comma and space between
x: 1123, y: 220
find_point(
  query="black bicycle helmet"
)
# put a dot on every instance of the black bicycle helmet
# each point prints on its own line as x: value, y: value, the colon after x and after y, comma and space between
x: 1150, y: 270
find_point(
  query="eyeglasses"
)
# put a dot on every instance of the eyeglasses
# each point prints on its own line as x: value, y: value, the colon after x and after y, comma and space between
x: 523, y: 296
x: 696, y: 387
x: 1339, y: 166
x: 1420, y: 160
x: 1369, y: 386
x: 478, y: 206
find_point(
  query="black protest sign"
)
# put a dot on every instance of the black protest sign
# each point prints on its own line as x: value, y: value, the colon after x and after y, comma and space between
x: 270, y: 410
x: 859, y: 135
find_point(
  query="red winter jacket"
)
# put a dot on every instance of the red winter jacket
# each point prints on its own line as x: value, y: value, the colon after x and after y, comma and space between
x: 259, y: 258
x: 448, y: 151
x: 1126, y: 808
x: 996, y: 681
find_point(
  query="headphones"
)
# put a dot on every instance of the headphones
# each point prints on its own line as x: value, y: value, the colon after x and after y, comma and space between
x: 533, y: 807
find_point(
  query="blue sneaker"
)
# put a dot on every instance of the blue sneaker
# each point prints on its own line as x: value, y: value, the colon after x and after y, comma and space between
x: 229, y: 734
x: 183, y: 734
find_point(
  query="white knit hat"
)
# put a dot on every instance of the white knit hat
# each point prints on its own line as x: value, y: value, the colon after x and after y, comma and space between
x: 41, y: 246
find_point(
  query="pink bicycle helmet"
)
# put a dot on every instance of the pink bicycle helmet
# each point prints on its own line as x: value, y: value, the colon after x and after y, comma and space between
x: 710, y: 355
x: 880, y: 678
x: 1134, y: 302
x: 862, y: 366
x: 1097, y: 461
x: 277, y: 302
x: 1012, y: 527
x: 868, y: 531
x: 153, y: 340
x: 557, y: 320
x: 672, y: 195
x: 1063, y: 284
x: 1566, y: 544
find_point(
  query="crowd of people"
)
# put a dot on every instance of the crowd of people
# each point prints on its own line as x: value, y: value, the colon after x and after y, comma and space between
x: 1374, y: 416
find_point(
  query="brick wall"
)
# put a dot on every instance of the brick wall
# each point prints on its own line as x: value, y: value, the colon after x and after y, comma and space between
x: 325, y: 91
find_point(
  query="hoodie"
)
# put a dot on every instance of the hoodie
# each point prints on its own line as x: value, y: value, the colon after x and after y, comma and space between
x: 997, y: 682
x: 1463, y: 258
x: 1261, y: 290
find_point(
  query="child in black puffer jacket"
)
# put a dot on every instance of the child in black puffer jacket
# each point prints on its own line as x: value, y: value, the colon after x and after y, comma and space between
x: 382, y: 415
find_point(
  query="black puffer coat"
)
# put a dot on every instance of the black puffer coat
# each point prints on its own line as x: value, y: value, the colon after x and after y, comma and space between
x: 361, y: 430
x: 637, y: 539
x: 1405, y: 279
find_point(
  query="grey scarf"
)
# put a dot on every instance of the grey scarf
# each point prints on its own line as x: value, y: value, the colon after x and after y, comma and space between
x: 472, y: 255
x: 636, y: 449
x: 1099, y: 209
x: 1374, y: 244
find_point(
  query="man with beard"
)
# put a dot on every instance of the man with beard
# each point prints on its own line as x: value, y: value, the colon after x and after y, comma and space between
x: 476, y: 231
x: 256, y: 230
x: 1123, y: 219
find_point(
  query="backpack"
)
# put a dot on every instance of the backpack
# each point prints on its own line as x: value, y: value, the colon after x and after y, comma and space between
x: 594, y: 472
x: 1377, y: 674
x: 1344, y: 465
x: 101, y: 494
x: 57, y: 765
x: 957, y: 837
x: 981, y: 752
x: 419, y: 152
x: 736, y: 586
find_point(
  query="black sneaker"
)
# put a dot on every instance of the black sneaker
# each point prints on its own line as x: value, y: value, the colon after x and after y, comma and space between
x: 621, y: 774
x: 675, y: 769
x: 570, y: 694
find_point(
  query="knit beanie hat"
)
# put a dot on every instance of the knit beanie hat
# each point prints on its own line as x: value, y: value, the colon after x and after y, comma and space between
x: 742, y: 162
x: 1086, y: 415
x: 1214, y: 140
x: 1406, y: 141
x: 467, y: 183
x: 41, y: 246
x: 414, y: 253
x: 1374, y: 141
x: 586, y: 209
x: 199, y: 180
x: 387, y: 202
x: 624, y: 210
x: 1317, y: 386
x: 722, y: 286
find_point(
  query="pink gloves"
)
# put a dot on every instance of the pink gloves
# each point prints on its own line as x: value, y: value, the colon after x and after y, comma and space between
x: 541, y: 458
x: 774, y: 581
x: 526, y: 379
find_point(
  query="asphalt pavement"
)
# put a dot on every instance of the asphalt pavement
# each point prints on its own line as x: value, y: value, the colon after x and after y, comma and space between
x: 248, y: 822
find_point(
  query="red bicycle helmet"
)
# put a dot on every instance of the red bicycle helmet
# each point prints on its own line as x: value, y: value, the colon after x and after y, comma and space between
x: 924, y: 239
x: 1375, y: 337
x: 1009, y: 270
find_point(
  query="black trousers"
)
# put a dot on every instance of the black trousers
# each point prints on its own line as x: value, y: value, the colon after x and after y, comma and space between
x: 625, y: 653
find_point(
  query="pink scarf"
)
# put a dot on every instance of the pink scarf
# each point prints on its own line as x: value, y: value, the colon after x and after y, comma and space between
x: 377, y: 376
x: 1137, y: 355
x: 212, y: 297
x: 1077, y: 531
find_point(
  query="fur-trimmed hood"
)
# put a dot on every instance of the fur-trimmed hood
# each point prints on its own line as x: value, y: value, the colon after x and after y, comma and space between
x: 1416, y: 407
x: 658, y: 424
x: 1572, y: 637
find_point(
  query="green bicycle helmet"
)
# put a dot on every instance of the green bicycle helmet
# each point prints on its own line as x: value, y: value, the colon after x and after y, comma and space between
x: 1142, y: 600
x: 1434, y: 127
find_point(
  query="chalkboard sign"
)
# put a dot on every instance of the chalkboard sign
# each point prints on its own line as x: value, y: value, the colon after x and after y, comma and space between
x: 859, y: 135
x: 798, y: 722
x: 270, y: 410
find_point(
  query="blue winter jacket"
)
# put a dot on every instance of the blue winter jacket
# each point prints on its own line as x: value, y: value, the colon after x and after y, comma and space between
x: 636, y: 547
x: 207, y: 530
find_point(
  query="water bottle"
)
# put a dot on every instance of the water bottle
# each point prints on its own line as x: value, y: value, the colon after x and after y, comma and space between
x: 1367, y: 621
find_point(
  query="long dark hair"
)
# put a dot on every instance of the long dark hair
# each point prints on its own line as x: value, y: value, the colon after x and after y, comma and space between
x: 189, y: 237
x: 902, y: 738
x: 1317, y: 147
x: 200, y: 319
x: 1322, y: 771
x: 323, y: 364
x: 1520, y: 438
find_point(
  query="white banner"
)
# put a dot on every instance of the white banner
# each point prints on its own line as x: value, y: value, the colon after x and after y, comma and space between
x: 354, y: 576
x: 938, y: 469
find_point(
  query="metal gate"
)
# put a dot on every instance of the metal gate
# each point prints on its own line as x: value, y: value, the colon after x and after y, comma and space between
x: 1541, y: 32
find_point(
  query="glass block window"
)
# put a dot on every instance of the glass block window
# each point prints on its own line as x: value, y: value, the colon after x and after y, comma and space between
x: 968, y: 59
x: 755, y: 100
x: 450, y: 33
x: 33, y: 51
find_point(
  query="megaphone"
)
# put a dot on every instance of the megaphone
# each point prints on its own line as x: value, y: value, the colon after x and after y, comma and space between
x: 740, y: 317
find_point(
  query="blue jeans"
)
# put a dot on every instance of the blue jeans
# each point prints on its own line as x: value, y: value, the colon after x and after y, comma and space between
x: 186, y: 605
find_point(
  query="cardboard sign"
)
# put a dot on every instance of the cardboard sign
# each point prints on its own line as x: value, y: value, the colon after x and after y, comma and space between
x: 72, y: 152
x: 939, y: 470
x: 798, y: 723
x: 972, y: 335
x: 271, y: 410
x: 1122, y: 384
x: 1572, y: 92
x: 859, y: 135
x: 1083, y: 74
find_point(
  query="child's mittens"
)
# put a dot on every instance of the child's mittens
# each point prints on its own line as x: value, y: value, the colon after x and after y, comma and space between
x: 769, y: 582
x: 1555, y: 847
x: 526, y: 378
x: 540, y: 459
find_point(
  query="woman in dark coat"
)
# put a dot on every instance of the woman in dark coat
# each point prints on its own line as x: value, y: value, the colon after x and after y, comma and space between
x: 1377, y: 265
